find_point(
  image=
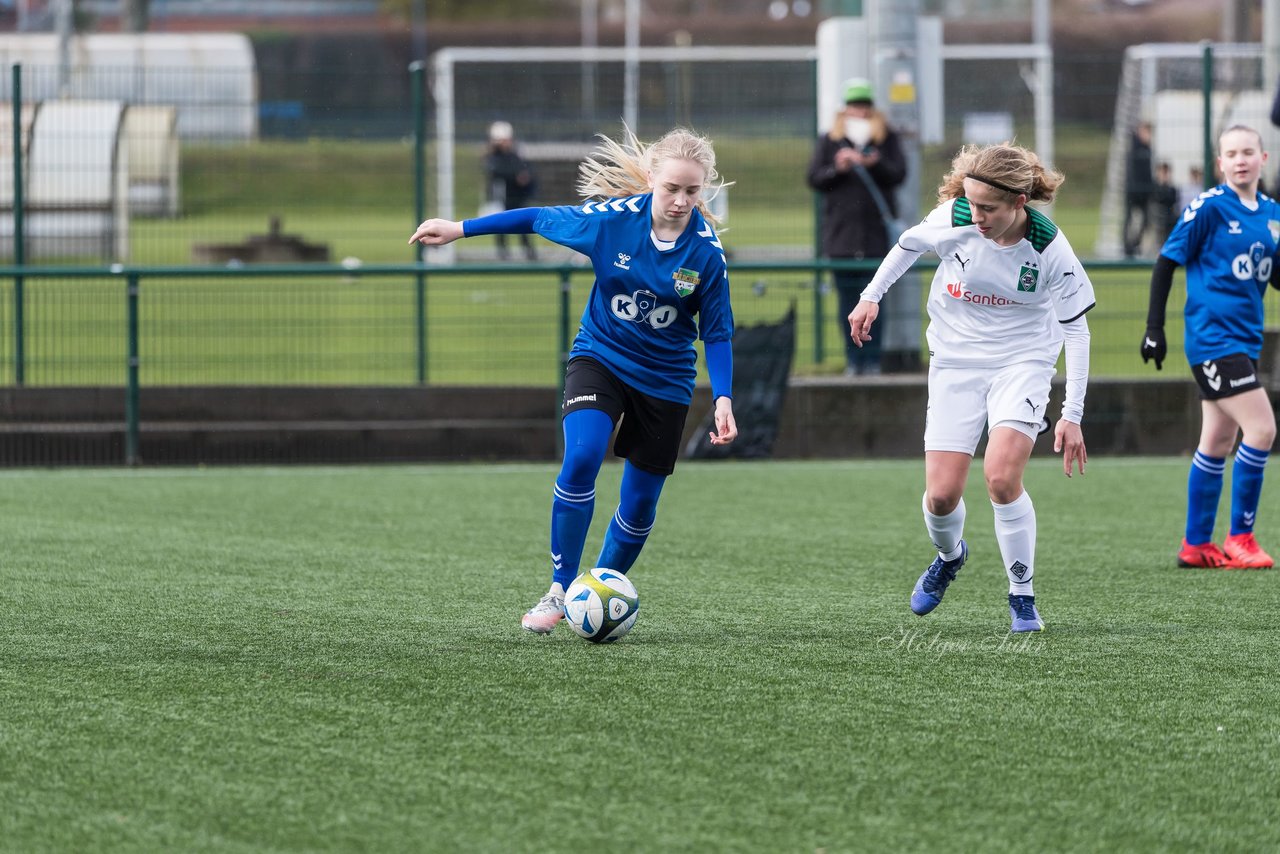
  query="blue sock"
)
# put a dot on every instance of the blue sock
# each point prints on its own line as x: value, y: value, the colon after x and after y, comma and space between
x: 586, y: 439
x: 1204, y: 488
x: 1246, y: 487
x: 631, y: 524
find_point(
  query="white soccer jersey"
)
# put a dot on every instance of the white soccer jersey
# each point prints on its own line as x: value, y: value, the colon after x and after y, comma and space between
x: 992, y: 305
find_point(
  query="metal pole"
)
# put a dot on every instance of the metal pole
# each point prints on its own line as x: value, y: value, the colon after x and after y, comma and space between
x: 442, y: 89
x: 1210, y: 168
x: 631, y: 82
x: 419, y: 25
x: 131, y: 388
x: 590, y: 39
x: 418, y: 74
x: 1043, y: 36
x: 819, y: 277
x: 64, y: 23
x: 894, y: 44
x: 19, y: 237
x: 1270, y: 42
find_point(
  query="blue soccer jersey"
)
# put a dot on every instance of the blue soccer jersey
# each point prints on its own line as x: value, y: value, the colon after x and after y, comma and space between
x: 1228, y: 251
x: 639, y: 319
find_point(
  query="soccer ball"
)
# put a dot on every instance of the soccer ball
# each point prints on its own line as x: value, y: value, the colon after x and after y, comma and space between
x: 601, y: 605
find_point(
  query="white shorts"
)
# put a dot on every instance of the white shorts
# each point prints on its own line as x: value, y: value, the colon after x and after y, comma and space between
x: 964, y: 400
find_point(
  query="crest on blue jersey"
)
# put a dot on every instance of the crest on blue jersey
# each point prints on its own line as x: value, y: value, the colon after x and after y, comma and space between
x: 686, y: 280
x: 1273, y: 226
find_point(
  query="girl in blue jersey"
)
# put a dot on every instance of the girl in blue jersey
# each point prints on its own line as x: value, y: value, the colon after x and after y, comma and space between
x: 661, y: 282
x: 1227, y: 239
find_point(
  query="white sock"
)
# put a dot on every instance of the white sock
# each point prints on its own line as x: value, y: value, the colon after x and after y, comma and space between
x: 945, y: 531
x: 1016, y: 534
x: 556, y: 590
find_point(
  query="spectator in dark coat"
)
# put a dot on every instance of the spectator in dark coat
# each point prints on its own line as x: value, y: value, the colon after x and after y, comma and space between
x: 509, y: 180
x: 1275, y: 119
x: 856, y: 166
x: 1139, y: 184
x: 1164, y: 202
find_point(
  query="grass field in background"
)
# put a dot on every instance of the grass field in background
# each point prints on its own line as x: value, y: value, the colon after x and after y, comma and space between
x: 330, y: 659
x: 358, y: 196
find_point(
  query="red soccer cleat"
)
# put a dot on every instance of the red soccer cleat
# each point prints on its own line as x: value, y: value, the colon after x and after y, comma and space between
x: 1244, y: 552
x: 1204, y: 556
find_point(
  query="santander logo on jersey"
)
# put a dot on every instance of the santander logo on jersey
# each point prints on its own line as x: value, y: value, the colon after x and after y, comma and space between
x: 958, y: 290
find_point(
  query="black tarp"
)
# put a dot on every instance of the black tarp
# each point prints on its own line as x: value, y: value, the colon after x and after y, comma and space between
x: 761, y: 367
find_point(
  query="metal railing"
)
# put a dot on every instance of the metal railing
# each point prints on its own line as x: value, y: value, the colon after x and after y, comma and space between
x: 764, y: 290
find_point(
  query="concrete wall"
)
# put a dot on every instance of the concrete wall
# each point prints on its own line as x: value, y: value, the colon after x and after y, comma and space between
x: 883, y: 417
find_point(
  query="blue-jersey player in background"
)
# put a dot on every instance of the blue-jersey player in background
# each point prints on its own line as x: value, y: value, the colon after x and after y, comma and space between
x: 1227, y: 239
x: 661, y: 282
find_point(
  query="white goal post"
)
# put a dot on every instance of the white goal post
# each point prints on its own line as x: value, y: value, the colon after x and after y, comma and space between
x: 446, y: 61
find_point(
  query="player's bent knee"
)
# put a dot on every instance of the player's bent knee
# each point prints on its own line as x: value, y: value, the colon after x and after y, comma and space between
x: 942, y: 503
x: 1004, y: 488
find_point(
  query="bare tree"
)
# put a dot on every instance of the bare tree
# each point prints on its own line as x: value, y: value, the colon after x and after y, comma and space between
x: 136, y: 15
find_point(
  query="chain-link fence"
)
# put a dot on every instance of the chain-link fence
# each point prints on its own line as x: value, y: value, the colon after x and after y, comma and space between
x: 293, y: 179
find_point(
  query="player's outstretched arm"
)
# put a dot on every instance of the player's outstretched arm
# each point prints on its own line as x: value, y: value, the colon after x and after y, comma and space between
x: 1069, y: 441
x: 437, y: 232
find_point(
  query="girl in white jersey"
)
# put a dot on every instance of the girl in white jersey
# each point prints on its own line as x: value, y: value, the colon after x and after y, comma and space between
x: 1008, y: 292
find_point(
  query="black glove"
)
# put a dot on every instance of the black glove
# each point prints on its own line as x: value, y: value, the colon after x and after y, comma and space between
x: 1154, y: 346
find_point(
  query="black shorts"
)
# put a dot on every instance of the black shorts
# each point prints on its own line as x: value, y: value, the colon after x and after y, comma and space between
x: 1226, y: 377
x: 652, y: 428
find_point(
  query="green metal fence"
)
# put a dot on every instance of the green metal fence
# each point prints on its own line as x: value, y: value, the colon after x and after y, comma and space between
x: 399, y: 324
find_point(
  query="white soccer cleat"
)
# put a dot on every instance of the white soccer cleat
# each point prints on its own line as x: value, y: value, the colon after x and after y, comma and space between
x: 542, y: 618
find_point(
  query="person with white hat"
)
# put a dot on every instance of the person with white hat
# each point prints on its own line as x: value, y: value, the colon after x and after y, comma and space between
x: 509, y: 180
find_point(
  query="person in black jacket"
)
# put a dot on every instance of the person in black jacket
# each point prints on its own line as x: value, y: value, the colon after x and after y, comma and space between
x: 1164, y: 200
x: 509, y: 180
x: 856, y: 166
x: 1139, y: 185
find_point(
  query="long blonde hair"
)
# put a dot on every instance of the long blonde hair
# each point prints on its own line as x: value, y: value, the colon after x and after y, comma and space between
x: 1009, y: 168
x: 622, y: 168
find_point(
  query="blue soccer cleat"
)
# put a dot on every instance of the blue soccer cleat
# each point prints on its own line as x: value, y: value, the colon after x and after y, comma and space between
x: 1025, y: 616
x: 930, y: 586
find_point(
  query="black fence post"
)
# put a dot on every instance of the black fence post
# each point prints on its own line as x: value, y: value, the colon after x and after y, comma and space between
x: 19, y: 238
x: 131, y: 371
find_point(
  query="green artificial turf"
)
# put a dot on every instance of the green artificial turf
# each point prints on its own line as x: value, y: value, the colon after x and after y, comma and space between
x: 289, y: 659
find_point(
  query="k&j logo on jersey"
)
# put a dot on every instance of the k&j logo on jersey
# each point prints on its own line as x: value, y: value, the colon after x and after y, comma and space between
x: 643, y: 307
x: 1027, y: 278
x: 1255, y: 264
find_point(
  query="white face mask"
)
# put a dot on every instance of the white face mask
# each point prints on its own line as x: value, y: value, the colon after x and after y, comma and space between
x: 857, y: 131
